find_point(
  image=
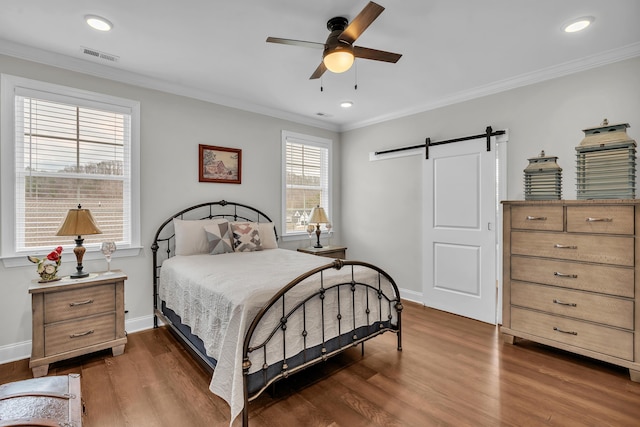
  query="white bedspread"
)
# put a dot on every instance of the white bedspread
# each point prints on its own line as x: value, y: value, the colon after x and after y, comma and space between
x: 219, y: 295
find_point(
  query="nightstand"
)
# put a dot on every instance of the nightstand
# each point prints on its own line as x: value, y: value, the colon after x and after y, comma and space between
x: 328, y: 251
x: 72, y: 317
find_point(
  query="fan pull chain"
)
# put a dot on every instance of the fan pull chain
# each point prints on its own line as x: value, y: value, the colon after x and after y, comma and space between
x: 321, y: 84
x: 355, y: 63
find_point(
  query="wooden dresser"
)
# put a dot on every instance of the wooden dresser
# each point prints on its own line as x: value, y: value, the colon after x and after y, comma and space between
x: 72, y: 317
x: 570, y: 277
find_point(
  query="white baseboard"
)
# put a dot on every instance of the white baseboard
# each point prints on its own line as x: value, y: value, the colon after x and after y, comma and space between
x: 22, y: 350
x: 411, y: 295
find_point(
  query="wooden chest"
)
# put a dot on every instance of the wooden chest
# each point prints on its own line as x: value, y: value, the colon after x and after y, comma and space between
x: 47, y: 401
x: 570, y: 277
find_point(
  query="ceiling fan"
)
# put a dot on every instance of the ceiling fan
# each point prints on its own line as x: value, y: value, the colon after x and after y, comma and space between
x: 338, y: 51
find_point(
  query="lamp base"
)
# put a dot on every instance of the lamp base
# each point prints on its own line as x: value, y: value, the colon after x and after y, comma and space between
x: 79, y: 275
x: 318, y: 245
x: 79, y: 251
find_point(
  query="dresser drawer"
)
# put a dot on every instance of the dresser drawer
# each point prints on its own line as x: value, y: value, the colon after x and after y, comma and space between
x: 567, y: 274
x: 603, y: 309
x: 66, y: 336
x: 615, y: 250
x: 77, y: 303
x: 602, y: 339
x: 600, y: 219
x: 532, y: 217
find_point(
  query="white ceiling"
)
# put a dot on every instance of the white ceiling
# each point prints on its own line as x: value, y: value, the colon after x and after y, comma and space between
x: 215, y: 50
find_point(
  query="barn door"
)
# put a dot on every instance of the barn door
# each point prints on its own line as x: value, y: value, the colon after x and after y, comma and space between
x: 460, y: 215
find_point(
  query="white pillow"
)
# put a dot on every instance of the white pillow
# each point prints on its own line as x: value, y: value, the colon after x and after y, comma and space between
x: 268, y: 235
x: 191, y: 238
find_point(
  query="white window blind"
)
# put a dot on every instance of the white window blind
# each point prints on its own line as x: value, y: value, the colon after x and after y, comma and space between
x: 306, y: 180
x: 70, y: 150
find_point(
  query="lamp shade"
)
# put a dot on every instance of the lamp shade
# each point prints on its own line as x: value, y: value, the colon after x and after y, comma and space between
x: 318, y: 216
x: 77, y: 223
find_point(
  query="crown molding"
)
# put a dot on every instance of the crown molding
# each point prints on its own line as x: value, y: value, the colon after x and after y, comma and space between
x: 41, y: 56
x: 549, y: 73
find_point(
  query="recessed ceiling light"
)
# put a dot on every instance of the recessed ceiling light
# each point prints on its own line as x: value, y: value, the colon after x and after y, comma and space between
x: 346, y: 104
x: 578, y: 24
x: 98, y: 22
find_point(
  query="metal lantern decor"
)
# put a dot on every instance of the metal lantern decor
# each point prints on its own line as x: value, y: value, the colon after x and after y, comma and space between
x: 606, y: 166
x: 543, y: 179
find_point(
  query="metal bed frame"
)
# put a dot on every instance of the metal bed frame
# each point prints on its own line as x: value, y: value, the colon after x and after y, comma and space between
x: 348, y: 334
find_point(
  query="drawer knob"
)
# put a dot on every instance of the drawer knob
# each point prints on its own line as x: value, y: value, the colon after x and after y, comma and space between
x: 81, y: 334
x: 564, y: 332
x: 536, y: 218
x: 569, y: 304
x: 559, y: 246
x: 569, y: 276
x: 599, y: 219
x: 73, y: 304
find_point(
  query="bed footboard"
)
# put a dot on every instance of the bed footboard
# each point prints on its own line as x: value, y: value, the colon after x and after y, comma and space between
x: 339, y: 314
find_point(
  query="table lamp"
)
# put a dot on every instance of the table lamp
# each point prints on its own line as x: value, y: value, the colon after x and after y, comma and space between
x: 318, y: 216
x: 77, y: 223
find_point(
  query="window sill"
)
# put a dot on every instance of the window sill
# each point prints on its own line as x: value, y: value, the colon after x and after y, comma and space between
x: 69, y: 257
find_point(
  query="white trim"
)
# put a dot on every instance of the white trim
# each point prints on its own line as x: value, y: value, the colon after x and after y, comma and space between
x: 412, y: 296
x: 10, y: 86
x: 307, y: 140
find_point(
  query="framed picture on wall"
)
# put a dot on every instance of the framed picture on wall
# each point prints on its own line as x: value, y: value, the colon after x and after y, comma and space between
x: 220, y: 164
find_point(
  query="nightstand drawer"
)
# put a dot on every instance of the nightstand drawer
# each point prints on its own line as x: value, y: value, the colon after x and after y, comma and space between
x: 588, y: 336
x: 77, y: 303
x: 67, y: 336
x: 607, y: 310
x: 600, y: 219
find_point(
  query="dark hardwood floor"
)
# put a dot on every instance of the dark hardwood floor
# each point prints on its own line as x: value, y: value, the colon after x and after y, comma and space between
x: 453, y: 371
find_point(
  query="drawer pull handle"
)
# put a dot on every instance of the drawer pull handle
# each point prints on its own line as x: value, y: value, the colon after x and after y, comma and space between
x: 536, y: 218
x: 81, y: 334
x: 570, y: 304
x: 73, y: 304
x: 599, y: 219
x: 570, y: 276
x: 565, y: 332
x: 559, y: 246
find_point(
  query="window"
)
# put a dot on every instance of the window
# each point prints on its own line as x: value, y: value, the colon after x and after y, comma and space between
x: 306, y: 180
x: 62, y: 147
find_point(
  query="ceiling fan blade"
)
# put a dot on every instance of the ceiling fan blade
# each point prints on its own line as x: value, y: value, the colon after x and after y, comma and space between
x: 361, y: 22
x: 302, y: 43
x: 376, y: 55
x: 318, y: 72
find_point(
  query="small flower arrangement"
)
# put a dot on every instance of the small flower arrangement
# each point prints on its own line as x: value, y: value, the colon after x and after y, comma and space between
x: 48, y: 266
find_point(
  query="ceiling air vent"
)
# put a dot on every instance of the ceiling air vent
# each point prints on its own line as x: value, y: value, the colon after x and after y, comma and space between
x: 99, y: 55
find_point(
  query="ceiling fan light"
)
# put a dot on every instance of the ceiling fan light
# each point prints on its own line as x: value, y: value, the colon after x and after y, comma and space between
x: 338, y: 61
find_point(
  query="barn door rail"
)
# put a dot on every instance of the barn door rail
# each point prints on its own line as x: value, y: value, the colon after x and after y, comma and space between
x: 489, y: 132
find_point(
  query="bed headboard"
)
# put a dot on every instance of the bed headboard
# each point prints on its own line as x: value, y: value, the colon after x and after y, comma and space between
x: 164, y: 242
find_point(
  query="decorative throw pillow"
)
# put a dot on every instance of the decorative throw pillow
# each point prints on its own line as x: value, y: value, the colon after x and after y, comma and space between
x: 219, y: 237
x: 191, y: 239
x: 246, y: 237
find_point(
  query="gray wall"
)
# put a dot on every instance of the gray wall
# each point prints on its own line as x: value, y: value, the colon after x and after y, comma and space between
x: 171, y: 129
x: 381, y: 200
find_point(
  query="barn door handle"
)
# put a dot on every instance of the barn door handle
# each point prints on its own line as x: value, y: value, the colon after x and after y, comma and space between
x: 565, y: 332
x: 536, y: 218
x: 599, y: 219
x: 570, y: 276
x: 570, y: 304
x: 559, y: 246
